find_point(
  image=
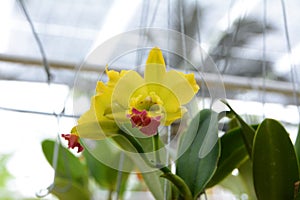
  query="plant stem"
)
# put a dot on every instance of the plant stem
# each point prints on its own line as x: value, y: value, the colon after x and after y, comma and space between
x: 110, y: 193
x: 180, y: 185
x: 176, y: 180
x: 138, y: 147
x: 156, y: 148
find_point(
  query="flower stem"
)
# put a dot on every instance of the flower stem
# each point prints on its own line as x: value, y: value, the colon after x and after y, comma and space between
x: 180, y: 185
x: 176, y: 180
x: 156, y: 148
x: 138, y: 147
x: 110, y: 193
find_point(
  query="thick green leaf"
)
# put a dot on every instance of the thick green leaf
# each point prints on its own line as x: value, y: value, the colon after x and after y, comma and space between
x: 275, y: 168
x: 68, y: 165
x: 297, y: 145
x: 247, y: 131
x: 241, y: 183
x: 194, y: 167
x: 233, y: 154
x: 65, y: 189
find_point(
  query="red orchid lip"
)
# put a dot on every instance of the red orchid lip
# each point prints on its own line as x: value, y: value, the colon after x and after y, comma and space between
x: 147, y: 125
x: 73, y: 141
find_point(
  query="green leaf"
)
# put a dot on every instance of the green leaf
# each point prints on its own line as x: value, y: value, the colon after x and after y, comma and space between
x: 154, y: 183
x: 200, y: 151
x: 275, y: 168
x: 242, y: 183
x: 297, y: 145
x: 68, y: 165
x: 247, y: 131
x: 151, y: 176
x: 233, y: 154
x: 65, y: 189
x: 104, y: 175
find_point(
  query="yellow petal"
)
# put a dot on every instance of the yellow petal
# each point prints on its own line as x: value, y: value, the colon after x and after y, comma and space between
x: 96, y: 130
x: 192, y: 81
x: 184, y: 86
x: 180, y: 86
x: 155, y: 66
x: 87, y: 117
x: 124, y: 89
x: 114, y: 76
x: 99, y: 104
x: 97, y: 121
x: 94, y: 125
x: 171, y: 117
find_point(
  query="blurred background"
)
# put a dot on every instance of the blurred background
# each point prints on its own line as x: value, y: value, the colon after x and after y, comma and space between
x: 255, y: 45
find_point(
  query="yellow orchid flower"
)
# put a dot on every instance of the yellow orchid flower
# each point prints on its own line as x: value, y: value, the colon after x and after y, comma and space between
x: 96, y: 123
x: 146, y: 102
x: 155, y: 99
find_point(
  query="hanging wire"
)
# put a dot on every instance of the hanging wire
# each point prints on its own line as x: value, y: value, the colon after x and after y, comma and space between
x: 233, y: 39
x: 144, y: 24
x: 38, y: 41
x: 169, y: 7
x: 169, y: 24
x: 154, y: 13
x: 182, y: 31
x: 169, y: 128
x: 45, y: 192
x: 264, y: 70
x: 120, y: 175
x: 166, y: 182
x: 223, y: 52
x: 198, y: 34
x: 292, y: 64
x: 142, y: 32
x: 39, y: 113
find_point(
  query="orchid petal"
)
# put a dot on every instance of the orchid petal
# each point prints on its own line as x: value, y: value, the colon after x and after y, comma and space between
x: 155, y: 66
x: 96, y: 130
x: 123, y: 91
x: 180, y: 86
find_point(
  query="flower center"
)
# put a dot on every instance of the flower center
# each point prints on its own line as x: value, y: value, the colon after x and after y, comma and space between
x: 145, y: 112
x: 150, y: 102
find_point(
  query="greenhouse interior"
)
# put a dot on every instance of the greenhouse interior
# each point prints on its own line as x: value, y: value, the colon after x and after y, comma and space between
x: 172, y: 99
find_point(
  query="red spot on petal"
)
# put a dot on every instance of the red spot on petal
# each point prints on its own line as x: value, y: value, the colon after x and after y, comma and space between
x: 147, y: 125
x: 73, y: 141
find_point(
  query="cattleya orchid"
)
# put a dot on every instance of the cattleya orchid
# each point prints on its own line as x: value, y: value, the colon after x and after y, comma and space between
x: 146, y: 102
